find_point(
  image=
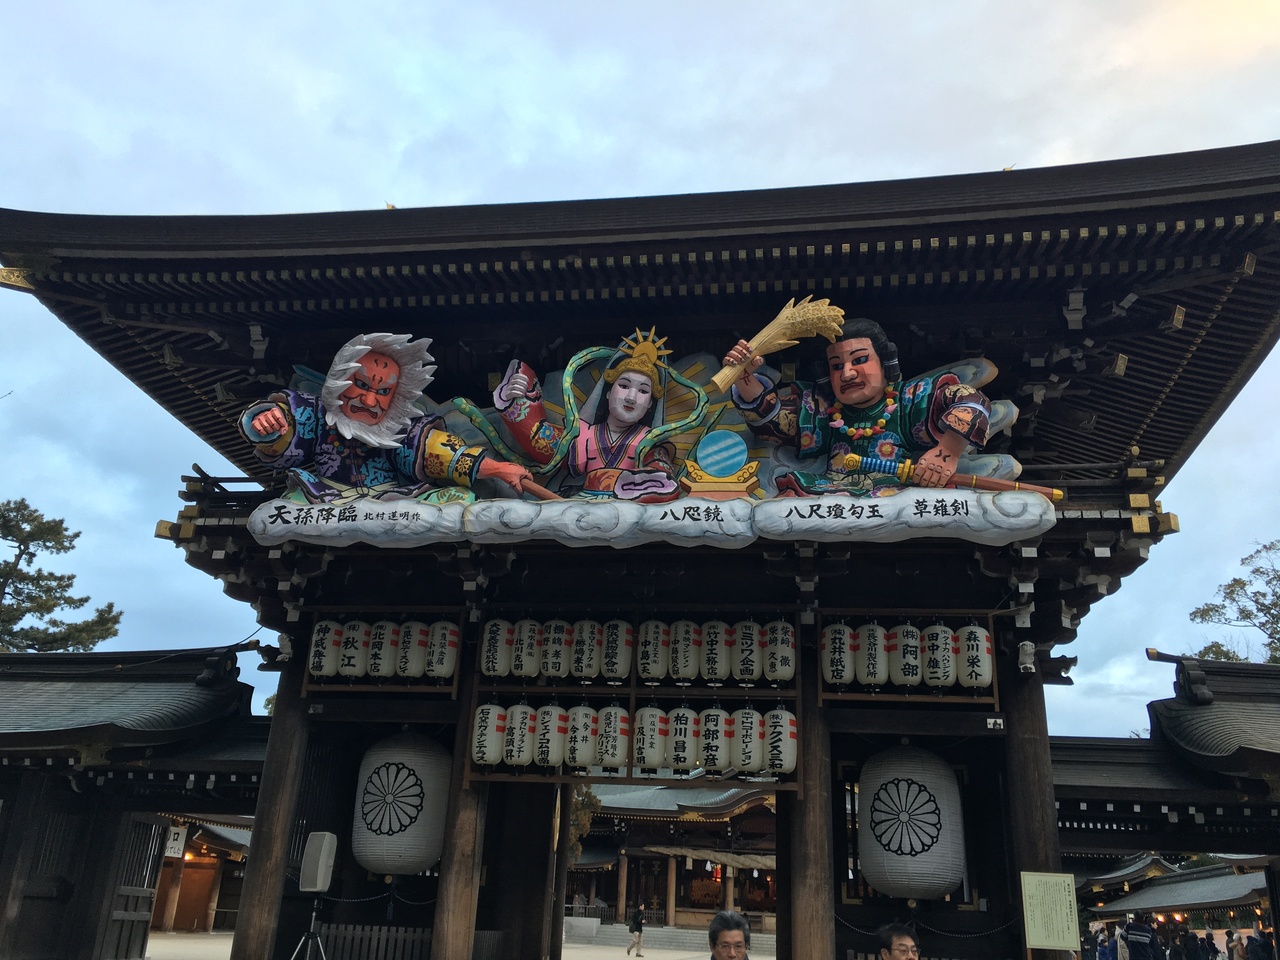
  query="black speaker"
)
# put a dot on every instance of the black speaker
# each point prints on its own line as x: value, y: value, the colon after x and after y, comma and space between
x: 317, y: 863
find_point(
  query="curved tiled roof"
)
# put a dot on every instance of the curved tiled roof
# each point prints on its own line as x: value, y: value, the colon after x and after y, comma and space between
x: 1225, y: 736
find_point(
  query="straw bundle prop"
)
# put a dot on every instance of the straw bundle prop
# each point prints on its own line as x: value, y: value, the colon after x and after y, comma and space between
x: 808, y: 318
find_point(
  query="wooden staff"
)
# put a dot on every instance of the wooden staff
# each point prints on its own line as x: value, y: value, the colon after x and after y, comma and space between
x: 538, y: 490
x: 906, y: 469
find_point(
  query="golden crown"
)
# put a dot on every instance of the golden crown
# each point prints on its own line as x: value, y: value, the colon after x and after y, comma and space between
x: 643, y: 354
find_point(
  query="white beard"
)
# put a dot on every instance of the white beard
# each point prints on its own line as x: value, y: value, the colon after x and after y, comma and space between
x: 385, y: 436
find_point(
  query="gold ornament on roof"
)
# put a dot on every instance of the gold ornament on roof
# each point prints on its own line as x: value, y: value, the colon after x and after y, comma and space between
x: 643, y: 355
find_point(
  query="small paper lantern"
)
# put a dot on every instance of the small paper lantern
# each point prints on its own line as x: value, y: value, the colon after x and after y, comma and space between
x: 355, y: 648
x: 747, y: 748
x: 522, y: 730
x: 557, y: 642
x: 384, y: 643
x: 975, y: 657
x: 619, y: 644
x: 653, y: 651
x: 939, y: 656
x: 584, y: 730
x: 488, y: 734
x: 402, y: 793
x: 686, y: 651
x: 717, y: 651
x: 413, y: 650
x: 780, y: 741
x: 442, y: 649
x: 684, y: 743
x: 780, y: 651
x: 326, y: 648
x: 553, y: 732
x: 614, y: 742
x: 496, y: 642
x: 717, y: 739
x: 870, y: 658
x: 836, y: 654
x: 652, y: 733
x: 902, y: 644
x: 588, y: 644
x: 749, y: 644
x: 526, y: 652
x: 910, y: 824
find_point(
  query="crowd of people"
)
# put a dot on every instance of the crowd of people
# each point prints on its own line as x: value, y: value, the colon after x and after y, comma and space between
x: 1140, y: 940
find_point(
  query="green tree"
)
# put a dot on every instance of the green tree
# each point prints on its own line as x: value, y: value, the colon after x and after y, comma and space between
x: 582, y: 808
x: 31, y: 597
x: 1252, y: 600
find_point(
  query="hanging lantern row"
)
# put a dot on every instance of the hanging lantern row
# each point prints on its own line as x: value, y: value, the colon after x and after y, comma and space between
x: 684, y: 650
x: 384, y: 649
x: 906, y: 656
x: 682, y: 739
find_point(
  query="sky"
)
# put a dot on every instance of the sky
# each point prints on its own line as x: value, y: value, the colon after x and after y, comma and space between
x: 290, y: 107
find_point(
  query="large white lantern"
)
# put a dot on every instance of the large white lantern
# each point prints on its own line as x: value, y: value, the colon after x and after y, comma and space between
x: 355, y: 648
x: 780, y: 740
x: 526, y: 652
x: 939, y: 656
x: 870, y: 659
x: 614, y: 743
x: 717, y: 739
x: 588, y: 644
x: 910, y: 825
x: 584, y: 730
x: 684, y: 743
x: 780, y: 652
x: 496, y: 642
x: 401, y: 794
x: 488, y: 734
x: 615, y: 658
x: 326, y: 648
x: 442, y: 649
x: 747, y: 749
x: 653, y: 652
x: 717, y: 652
x: 749, y: 640
x: 414, y: 649
x: 521, y: 733
x: 686, y: 651
x: 384, y: 643
x: 652, y: 733
x: 553, y: 732
x: 557, y: 642
x: 975, y: 656
x: 902, y: 643
x: 836, y: 654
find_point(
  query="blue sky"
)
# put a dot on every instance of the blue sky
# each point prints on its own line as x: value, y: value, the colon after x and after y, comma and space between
x: 239, y: 108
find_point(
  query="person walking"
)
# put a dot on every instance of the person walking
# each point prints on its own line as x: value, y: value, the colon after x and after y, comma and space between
x: 637, y: 932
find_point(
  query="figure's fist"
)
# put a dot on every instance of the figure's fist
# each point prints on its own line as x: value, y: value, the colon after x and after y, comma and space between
x: 269, y: 422
x: 740, y: 353
x: 518, y: 387
x: 518, y: 383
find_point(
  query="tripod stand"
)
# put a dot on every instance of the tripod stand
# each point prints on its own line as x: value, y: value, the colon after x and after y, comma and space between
x: 311, y: 936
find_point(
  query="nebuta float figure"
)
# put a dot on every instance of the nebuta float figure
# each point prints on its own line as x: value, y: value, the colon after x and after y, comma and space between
x: 363, y: 436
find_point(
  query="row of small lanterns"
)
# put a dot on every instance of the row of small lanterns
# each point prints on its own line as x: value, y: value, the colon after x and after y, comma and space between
x: 682, y: 739
x: 906, y: 656
x: 384, y: 649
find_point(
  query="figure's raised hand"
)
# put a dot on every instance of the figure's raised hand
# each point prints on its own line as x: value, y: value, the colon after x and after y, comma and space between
x: 270, y: 422
x: 518, y: 383
x: 740, y: 354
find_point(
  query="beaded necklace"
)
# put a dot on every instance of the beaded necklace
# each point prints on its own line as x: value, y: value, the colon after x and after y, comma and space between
x: 836, y: 412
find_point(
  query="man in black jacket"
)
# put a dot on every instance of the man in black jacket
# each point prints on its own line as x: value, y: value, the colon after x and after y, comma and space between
x: 1140, y: 938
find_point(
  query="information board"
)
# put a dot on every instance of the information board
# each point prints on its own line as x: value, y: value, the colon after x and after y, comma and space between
x: 1049, y: 911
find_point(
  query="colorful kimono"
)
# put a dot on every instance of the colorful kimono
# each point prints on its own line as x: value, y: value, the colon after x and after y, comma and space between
x: 801, y: 416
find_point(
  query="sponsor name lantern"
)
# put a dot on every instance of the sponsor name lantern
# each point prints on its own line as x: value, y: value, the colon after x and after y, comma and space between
x: 588, y: 642
x: 614, y: 742
x: 521, y: 734
x: 686, y: 651
x: 974, y: 668
x: 326, y: 648
x: 747, y: 747
x: 411, y: 656
x: 652, y: 732
x: 870, y: 660
x: 557, y: 641
x: 616, y: 653
x: 684, y: 743
x: 526, y: 652
x: 384, y: 644
x: 442, y: 652
x: 780, y: 741
x: 717, y: 651
x: 780, y: 652
x: 836, y: 653
x: 902, y: 644
x: 496, y: 640
x: 488, y: 734
x: 401, y: 794
x: 717, y: 739
x: 939, y: 647
x: 552, y: 735
x: 748, y: 652
x: 580, y: 751
x: 653, y: 651
x: 355, y: 649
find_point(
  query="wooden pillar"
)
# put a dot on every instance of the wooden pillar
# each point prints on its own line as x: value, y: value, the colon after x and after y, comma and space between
x: 211, y: 911
x: 621, y: 911
x: 171, y: 895
x: 16, y: 857
x: 670, y: 919
x: 564, y: 820
x: 524, y: 832
x: 729, y: 876
x: 264, y: 874
x: 813, y: 912
x: 782, y: 886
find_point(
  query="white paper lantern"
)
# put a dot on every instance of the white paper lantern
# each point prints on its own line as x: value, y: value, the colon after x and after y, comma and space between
x: 615, y: 655
x: 413, y: 650
x: 442, y: 649
x: 326, y: 648
x: 496, y: 642
x: 402, y: 792
x: 488, y: 734
x: 749, y: 641
x: 588, y: 645
x: 870, y: 658
x: 686, y: 651
x: 717, y: 652
x: 717, y: 739
x: 355, y: 648
x: 836, y: 654
x: 557, y: 643
x: 652, y: 733
x: 939, y: 656
x: 584, y: 730
x: 974, y: 668
x: 780, y: 651
x: 910, y: 824
x: 653, y: 652
x: 684, y: 743
x: 614, y: 742
x: 553, y: 732
x: 521, y: 734
x: 526, y: 651
x: 384, y: 646
x: 902, y: 643
x: 780, y: 740
x: 747, y: 753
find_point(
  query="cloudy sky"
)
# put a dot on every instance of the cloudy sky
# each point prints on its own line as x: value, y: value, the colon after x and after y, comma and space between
x: 245, y: 108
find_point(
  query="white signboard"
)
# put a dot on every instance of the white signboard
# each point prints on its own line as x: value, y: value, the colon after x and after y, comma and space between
x: 1049, y: 911
x: 177, y: 840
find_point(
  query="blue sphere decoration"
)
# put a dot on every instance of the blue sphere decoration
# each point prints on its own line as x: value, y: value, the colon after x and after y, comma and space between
x: 721, y: 453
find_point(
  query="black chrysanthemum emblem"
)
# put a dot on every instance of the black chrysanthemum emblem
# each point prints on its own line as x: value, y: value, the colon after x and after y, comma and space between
x: 392, y: 799
x: 905, y: 818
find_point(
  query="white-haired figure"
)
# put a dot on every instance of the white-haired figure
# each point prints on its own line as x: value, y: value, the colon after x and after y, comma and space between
x: 364, y: 432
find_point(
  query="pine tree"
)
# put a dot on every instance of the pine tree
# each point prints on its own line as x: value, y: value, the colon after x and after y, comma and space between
x: 31, y: 597
x: 1249, y: 601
